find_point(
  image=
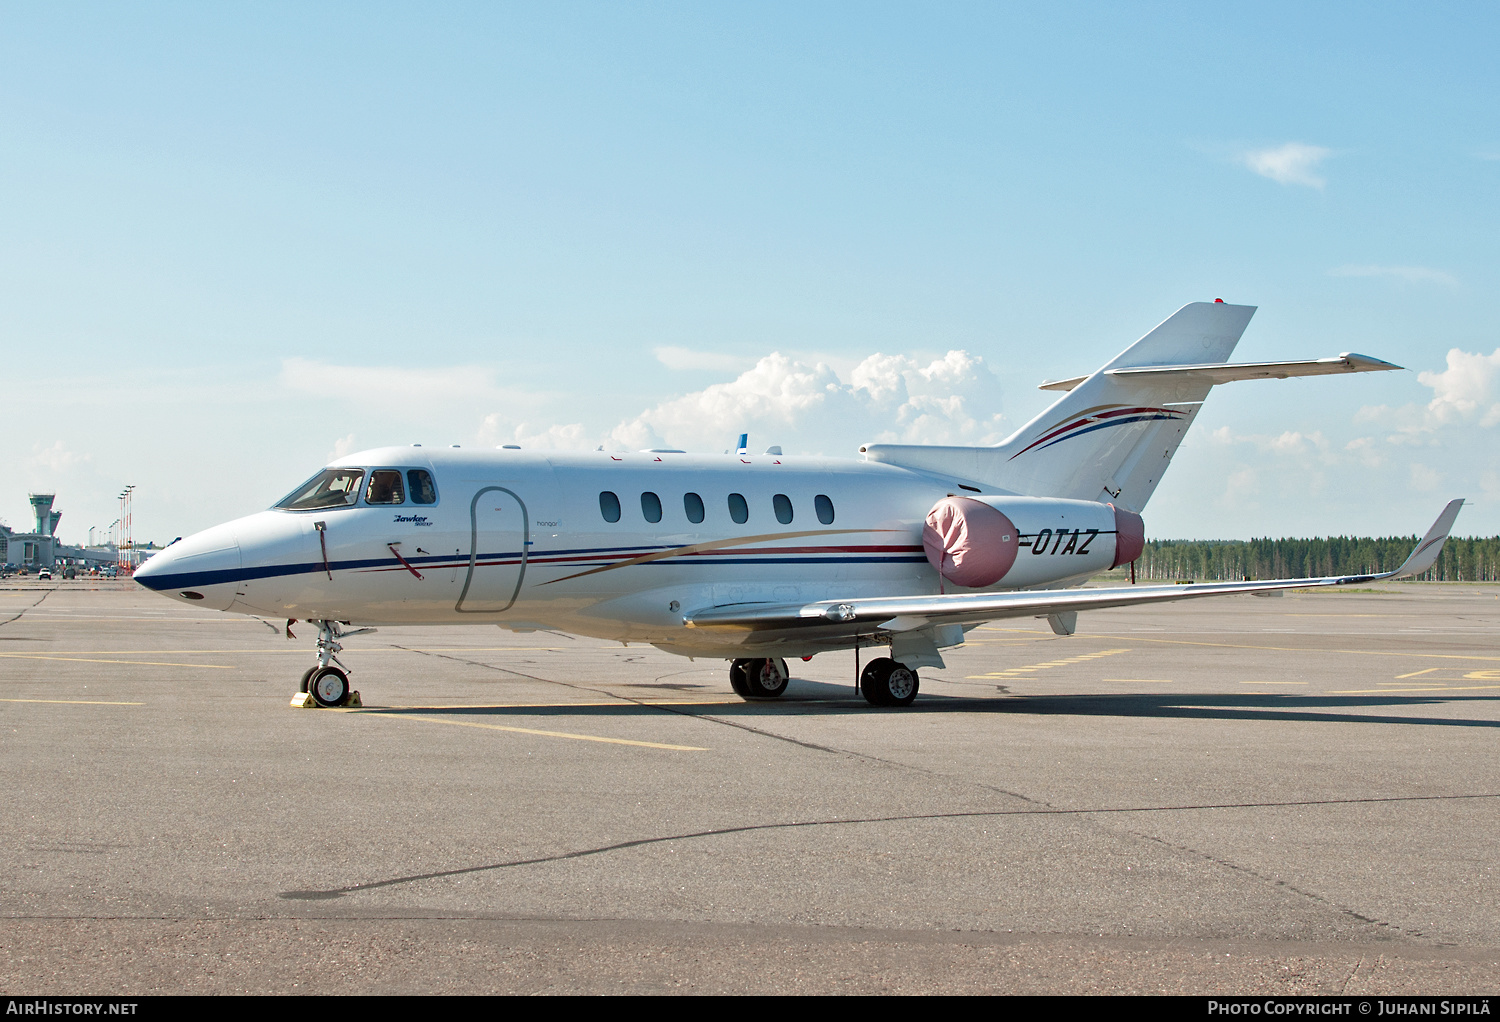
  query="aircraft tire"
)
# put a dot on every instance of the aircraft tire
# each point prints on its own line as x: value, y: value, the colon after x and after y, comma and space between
x: 328, y: 686
x: 767, y: 679
x: 884, y: 682
x: 306, y: 677
x: 739, y: 677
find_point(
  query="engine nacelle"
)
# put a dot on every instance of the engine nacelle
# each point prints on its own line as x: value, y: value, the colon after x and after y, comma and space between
x: 976, y: 542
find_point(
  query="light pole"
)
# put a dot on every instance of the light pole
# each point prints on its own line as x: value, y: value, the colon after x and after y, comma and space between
x: 129, y: 523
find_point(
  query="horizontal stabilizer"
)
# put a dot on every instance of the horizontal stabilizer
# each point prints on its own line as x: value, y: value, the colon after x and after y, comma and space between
x: 1229, y: 372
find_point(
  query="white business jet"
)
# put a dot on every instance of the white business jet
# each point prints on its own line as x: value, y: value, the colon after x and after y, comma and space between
x: 751, y: 558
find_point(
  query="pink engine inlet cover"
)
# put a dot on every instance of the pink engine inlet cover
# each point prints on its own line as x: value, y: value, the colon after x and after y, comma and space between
x: 968, y: 542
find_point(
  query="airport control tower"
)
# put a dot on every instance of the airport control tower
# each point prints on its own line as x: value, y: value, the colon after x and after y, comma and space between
x: 46, y: 522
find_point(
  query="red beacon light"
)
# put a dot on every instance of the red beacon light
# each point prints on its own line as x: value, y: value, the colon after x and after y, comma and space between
x: 1218, y: 301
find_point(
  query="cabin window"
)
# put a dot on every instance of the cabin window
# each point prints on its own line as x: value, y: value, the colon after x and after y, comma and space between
x: 693, y: 505
x: 385, y: 487
x: 824, y: 507
x: 651, y: 507
x: 420, y: 486
x: 609, y: 506
x: 738, y: 509
x: 782, y: 505
x: 332, y: 487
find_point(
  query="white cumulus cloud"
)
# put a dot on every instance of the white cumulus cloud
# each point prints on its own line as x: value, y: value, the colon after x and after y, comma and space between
x: 1466, y: 390
x: 1465, y: 394
x: 1289, y: 442
x: 1294, y: 163
x: 498, y: 431
x: 808, y: 408
x: 342, y: 446
x: 57, y: 458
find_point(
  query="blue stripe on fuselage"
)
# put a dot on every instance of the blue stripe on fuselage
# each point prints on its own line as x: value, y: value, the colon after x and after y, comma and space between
x: 190, y: 579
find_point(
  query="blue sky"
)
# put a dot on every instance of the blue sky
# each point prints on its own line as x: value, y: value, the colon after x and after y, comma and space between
x: 237, y: 239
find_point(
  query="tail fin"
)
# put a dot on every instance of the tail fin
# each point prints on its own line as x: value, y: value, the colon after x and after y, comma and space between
x: 1111, y: 436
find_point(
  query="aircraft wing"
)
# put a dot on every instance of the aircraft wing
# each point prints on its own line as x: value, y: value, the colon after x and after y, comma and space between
x: 908, y: 613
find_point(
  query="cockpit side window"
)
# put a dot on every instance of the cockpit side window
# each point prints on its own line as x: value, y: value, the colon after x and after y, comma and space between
x: 385, y: 487
x: 420, y: 485
x: 332, y: 487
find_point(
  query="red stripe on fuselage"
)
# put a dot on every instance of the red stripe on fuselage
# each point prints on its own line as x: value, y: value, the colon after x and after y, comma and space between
x: 617, y: 559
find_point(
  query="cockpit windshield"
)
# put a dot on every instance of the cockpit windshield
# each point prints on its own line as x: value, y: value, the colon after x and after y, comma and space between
x: 332, y: 487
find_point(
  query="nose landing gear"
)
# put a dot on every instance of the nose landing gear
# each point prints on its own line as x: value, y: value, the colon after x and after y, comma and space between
x: 324, y: 684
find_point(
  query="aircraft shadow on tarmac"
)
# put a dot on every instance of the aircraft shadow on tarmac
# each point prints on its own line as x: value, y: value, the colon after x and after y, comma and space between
x: 811, y: 698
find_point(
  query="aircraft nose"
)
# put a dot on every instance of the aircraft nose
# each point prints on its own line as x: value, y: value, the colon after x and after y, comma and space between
x: 204, y: 567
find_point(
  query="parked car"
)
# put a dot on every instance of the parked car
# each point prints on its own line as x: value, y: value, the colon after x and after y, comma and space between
x: 44, y: 573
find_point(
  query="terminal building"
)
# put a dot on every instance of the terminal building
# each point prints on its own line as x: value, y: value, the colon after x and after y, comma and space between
x: 41, y: 548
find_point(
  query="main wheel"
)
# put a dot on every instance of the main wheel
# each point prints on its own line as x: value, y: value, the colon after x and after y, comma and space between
x: 767, y: 678
x: 328, y: 686
x: 739, y: 677
x: 884, y: 682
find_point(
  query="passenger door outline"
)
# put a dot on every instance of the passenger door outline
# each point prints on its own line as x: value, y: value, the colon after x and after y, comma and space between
x: 474, y: 550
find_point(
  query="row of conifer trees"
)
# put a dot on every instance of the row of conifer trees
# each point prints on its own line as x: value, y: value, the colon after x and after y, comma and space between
x: 1462, y: 560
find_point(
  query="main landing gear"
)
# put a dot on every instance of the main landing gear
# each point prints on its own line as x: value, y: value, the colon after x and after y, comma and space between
x: 325, y: 684
x: 758, y: 678
x: 883, y: 682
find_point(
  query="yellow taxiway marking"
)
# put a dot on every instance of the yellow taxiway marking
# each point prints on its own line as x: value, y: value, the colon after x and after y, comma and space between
x: 95, y: 660
x: 290, y: 651
x: 1013, y: 672
x: 71, y: 702
x: 1427, y: 688
x: 620, y: 703
x: 1293, y: 649
x: 1143, y: 681
x: 1273, y: 683
x: 1413, y: 674
x: 544, y: 734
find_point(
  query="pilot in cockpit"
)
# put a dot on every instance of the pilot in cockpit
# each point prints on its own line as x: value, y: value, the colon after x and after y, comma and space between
x: 385, y: 488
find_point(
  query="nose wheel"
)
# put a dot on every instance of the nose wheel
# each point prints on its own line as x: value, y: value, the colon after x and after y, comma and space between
x: 325, y: 684
x: 759, y: 678
x: 328, y: 686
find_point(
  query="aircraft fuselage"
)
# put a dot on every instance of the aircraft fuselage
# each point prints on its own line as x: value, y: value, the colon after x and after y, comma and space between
x: 524, y: 540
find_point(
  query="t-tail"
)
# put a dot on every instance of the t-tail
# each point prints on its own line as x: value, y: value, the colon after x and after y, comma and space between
x: 1114, y: 432
x: 1112, y: 436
